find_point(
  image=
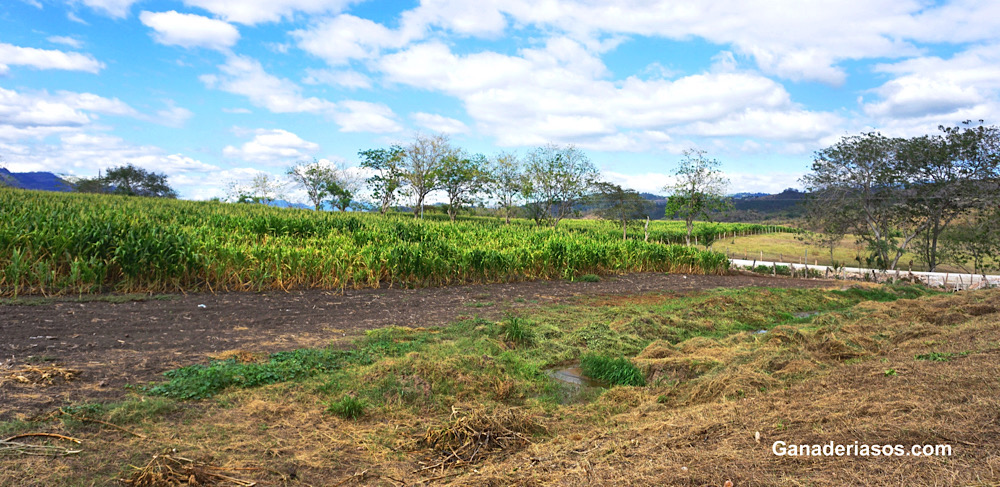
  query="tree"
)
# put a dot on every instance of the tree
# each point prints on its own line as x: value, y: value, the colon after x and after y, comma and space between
x: 699, y: 190
x: 861, y: 177
x: 555, y: 180
x: 131, y: 181
x: 960, y: 177
x: 422, y: 167
x: 262, y: 189
x: 341, y: 196
x: 505, y: 181
x: 895, y: 193
x: 462, y: 177
x: 322, y: 180
x: 622, y: 205
x: 314, y: 178
x: 388, y: 177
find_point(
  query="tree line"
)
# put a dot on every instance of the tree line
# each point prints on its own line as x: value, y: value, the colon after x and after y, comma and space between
x: 937, y: 195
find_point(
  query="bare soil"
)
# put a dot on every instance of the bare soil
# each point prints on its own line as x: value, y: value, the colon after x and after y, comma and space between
x: 109, y: 345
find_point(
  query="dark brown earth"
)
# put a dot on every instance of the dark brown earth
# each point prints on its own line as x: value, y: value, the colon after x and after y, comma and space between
x: 114, y: 344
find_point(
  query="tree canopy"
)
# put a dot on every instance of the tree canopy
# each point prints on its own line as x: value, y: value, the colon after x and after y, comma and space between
x: 698, y: 191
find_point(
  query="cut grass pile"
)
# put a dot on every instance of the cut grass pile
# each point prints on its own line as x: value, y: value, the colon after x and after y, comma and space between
x: 722, y: 370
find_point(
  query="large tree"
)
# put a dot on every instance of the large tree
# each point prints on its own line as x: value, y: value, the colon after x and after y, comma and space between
x: 555, y: 180
x: 422, y: 167
x: 462, y: 177
x: 506, y: 177
x: 861, y: 177
x: 698, y: 191
x: 386, y: 164
x: 127, y: 180
x: 620, y: 205
x: 894, y: 194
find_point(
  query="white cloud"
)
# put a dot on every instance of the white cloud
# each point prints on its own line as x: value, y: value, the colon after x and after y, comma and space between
x: 440, y: 123
x: 189, y: 30
x: 346, y: 37
x: 346, y: 79
x: 272, y: 146
x: 11, y: 55
x: 66, y: 41
x: 172, y: 116
x: 63, y: 109
x: 251, y: 12
x: 84, y: 154
x: 362, y: 116
x: 240, y: 111
x: 112, y: 8
x: 557, y: 94
x: 804, y: 41
x: 245, y: 76
x: 929, y: 91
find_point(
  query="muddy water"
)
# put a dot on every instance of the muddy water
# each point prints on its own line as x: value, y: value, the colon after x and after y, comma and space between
x: 572, y: 374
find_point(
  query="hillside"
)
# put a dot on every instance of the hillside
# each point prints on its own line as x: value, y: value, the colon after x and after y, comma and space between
x: 44, y: 181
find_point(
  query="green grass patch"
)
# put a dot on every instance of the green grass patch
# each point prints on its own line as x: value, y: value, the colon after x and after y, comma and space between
x: 348, y: 407
x: 614, y: 371
x: 939, y: 356
x: 518, y: 330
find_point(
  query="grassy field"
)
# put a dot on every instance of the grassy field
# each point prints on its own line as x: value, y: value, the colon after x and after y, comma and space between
x: 697, y: 388
x: 54, y: 243
x: 787, y: 247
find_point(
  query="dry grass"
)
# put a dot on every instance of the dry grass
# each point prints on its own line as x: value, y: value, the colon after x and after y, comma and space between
x: 38, y: 375
x: 710, y: 415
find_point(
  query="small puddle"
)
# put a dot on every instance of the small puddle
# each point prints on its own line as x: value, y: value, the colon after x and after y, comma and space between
x: 805, y: 314
x: 572, y: 374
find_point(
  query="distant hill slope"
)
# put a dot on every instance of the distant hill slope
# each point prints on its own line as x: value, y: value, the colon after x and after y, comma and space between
x: 748, y: 207
x: 44, y: 181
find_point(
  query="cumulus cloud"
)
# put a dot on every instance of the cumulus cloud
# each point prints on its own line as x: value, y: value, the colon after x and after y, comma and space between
x: 362, y: 116
x: 84, y: 154
x: 245, y: 76
x: 273, y: 147
x: 111, y: 8
x: 252, y: 12
x: 345, y: 79
x: 66, y: 41
x: 557, y: 93
x: 11, y: 55
x: 189, y: 30
x: 927, y: 91
x: 62, y: 111
x: 440, y: 123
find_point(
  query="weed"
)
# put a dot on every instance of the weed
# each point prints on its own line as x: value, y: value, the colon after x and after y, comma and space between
x: 518, y: 330
x: 890, y: 373
x: 939, y: 356
x: 202, y: 381
x: 348, y: 407
x: 588, y: 278
x: 615, y: 371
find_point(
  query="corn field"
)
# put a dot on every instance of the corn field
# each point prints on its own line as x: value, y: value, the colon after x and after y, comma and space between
x: 59, y: 243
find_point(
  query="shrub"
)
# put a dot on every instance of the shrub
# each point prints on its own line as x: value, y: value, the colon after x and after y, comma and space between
x: 615, y: 371
x: 348, y: 407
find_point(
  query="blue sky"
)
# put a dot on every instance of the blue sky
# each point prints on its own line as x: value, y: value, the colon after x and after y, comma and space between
x: 214, y: 91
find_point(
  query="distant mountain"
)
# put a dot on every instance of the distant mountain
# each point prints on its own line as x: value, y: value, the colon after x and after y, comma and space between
x: 44, y: 181
x: 288, y: 204
x: 743, y: 196
x: 784, y: 205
